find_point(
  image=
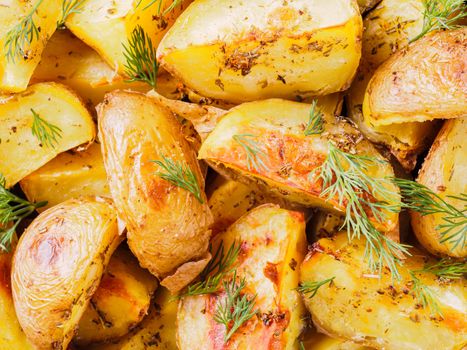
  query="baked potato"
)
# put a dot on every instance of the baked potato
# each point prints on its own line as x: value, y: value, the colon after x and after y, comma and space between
x: 20, y: 55
x: 264, y: 142
x: 119, y: 303
x: 11, y: 334
x: 387, y: 29
x: 68, y: 175
x: 54, y: 104
x: 238, y: 48
x: 272, y: 243
x: 380, y: 312
x: 106, y: 25
x: 145, y: 153
x: 443, y: 171
x: 424, y: 82
x: 57, y: 266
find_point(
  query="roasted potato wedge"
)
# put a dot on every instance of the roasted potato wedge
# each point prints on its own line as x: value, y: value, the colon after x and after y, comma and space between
x: 120, y: 303
x: 156, y: 332
x: 284, y: 156
x: 388, y: 28
x: 272, y: 242
x: 106, y: 25
x: 238, y: 48
x: 17, y: 60
x: 380, y: 312
x: 443, y: 171
x: 424, y: 82
x: 57, y: 266
x: 68, y: 175
x: 55, y: 104
x: 11, y: 334
x: 168, y: 227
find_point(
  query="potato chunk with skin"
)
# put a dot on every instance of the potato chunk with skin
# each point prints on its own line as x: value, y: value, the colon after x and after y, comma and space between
x: 120, y: 303
x: 168, y: 227
x: 57, y: 267
x: 443, y: 171
x: 276, y: 128
x: 16, y: 70
x: 55, y: 104
x: 272, y: 244
x: 238, y: 48
x: 424, y: 82
x: 375, y: 312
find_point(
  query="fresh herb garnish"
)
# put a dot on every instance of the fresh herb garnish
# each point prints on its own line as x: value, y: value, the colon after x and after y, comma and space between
x: 315, y: 124
x: 69, y: 7
x: 311, y: 288
x: 47, y: 133
x: 253, y: 152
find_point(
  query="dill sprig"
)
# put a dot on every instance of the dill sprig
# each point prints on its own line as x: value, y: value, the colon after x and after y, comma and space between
x: 315, y: 124
x: 424, y: 294
x: 253, y: 152
x: 13, y: 209
x: 344, y: 179
x: 311, y: 288
x: 69, y: 7
x: 140, y: 54
x: 441, y: 14
x: 446, y: 269
x: 180, y: 175
x: 22, y: 35
x: 220, y: 265
x: 421, y: 199
x: 235, y: 309
x: 174, y: 4
x: 47, y: 133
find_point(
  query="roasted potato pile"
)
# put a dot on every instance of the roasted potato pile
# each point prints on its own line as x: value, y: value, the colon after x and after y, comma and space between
x: 230, y: 174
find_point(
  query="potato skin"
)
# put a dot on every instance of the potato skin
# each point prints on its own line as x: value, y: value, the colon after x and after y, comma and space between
x: 272, y: 243
x: 57, y: 266
x: 238, y: 48
x: 374, y: 312
x: 443, y: 171
x: 168, y: 228
x: 424, y: 82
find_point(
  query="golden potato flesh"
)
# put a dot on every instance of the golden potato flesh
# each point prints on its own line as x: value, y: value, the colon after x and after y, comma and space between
x: 21, y: 152
x: 106, y: 25
x: 272, y: 242
x: 285, y: 156
x: 388, y: 28
x: 11, y: 334
x: 120, y: 303
x: 377, y: 312
x: 17, y: 63
x: 57, y: 267
x: 168, y: 227
x: 245, y: 51
x: 68, y: 175
x: 312, y: 340
x: 444, y: 172
x: 424, y: 82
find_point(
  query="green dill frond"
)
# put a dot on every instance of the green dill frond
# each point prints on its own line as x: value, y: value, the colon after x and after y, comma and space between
x: 21, y: 36
x: 47, y: 133
x: 174, y: 4
x: 180, y: 175
x: 421, y: 199
x: 315, y: 124
x: 141, y: 61
x: 425, y: 295
x: 253, y: 152
x: 310, y: 289
x: 69, y: 7
x: 441, y: 14
x: 447, y: 269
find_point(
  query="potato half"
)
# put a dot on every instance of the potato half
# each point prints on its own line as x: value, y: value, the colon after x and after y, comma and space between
x: 424, y: 82
x: 57, y: 266
x: 375, y: 312
x: 168, y: 227
x: 284, y: 155
x: 272, y: 244
x: 245, y: 51
x: 444, y: 172
x: 120, y: 303
x: 21, y: 152
x: 387, y: 29
x: 16, y: 70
